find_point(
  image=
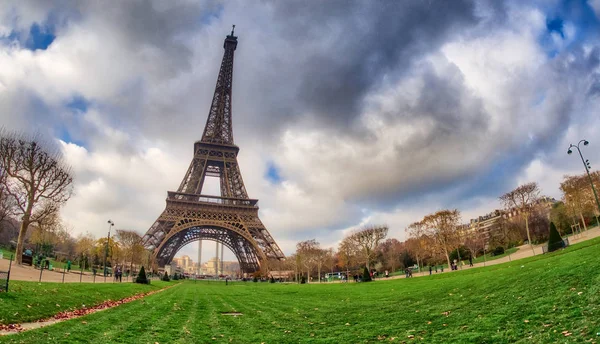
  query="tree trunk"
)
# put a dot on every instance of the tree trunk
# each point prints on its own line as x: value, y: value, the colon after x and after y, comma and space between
x: 528, y: 236
x: 447, y: 258
x: 21, y: 239
x: 319, y: 272
x: 583, y: 221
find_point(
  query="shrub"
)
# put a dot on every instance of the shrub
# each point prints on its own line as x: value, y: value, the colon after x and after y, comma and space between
x: 175, y: 277
x: 255, y: 279
x: 141, y: 277
x: 272, y: 280
x: 366, y: 275
x: 166, y: 277
x: 498, y: 251
x: 302, y: 280
x: 555, y: 242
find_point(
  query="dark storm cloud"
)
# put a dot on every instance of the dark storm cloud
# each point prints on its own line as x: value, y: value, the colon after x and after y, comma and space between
x: 365, y: 41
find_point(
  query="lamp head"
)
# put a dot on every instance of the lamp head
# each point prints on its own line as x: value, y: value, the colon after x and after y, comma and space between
x: 569, y: 151
x: 585, y: 142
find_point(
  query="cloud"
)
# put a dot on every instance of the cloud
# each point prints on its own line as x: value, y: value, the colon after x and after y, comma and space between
x: 371, y: 113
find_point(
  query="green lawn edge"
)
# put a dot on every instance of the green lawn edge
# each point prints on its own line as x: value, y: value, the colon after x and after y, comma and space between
x: 31, y: 301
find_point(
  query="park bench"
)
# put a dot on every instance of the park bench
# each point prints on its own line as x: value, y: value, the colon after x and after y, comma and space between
x: 27, y: 260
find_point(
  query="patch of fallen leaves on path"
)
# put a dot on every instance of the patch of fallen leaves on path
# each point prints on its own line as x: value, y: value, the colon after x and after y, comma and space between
x: 66, y: 315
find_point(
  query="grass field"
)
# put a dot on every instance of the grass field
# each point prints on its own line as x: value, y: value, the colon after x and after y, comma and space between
x: 30, y: 301
x: 551, y: 298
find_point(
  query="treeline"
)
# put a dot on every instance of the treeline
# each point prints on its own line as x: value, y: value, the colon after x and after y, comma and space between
x: 35, y: 182
x: 442, y: 237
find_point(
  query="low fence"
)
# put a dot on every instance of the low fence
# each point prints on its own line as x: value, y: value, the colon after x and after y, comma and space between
x: 5, y: 277
x: 57, y: 272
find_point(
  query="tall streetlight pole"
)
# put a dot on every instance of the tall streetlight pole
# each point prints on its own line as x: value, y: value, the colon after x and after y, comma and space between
x: 110, y: 224
x: 586, y: 165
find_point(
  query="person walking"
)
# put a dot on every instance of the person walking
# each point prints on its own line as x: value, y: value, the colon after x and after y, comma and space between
x: 387, y: 274
x: 68, y: 265
x: 470, y: 260
x: 430, y: 270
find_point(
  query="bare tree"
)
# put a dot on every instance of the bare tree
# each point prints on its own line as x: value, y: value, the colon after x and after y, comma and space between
x: 320, y: 259
x: 474, y: 241
x: 366, y: 240
x: 522, y: 199
x: 346, y: 254
x: 7, y: 203
x: 131, y: 244
x: 330, y: 259
x: 577, y: 196
x: 306, y: 252
x: 442, y: 227
x: 36, y: 180
x: 419, y: 243
x: 391, y: 250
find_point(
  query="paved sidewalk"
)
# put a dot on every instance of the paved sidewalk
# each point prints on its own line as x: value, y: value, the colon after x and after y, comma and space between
x: 523, y: 252
x: 28, y: 273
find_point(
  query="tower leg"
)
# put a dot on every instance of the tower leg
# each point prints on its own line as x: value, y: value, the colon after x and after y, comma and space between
x: 199, y: 256
x: 221, y: 262
x: 217, y: 260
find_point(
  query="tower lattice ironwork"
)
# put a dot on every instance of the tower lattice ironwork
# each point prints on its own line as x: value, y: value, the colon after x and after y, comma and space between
x: 231, y: 219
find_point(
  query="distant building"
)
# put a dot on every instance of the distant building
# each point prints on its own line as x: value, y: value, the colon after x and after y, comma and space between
x: 187, y: 265
x: 489, y: 224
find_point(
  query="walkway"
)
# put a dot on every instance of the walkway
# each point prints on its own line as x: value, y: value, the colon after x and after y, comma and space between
x: 28, y: 273
x: 523, y: 252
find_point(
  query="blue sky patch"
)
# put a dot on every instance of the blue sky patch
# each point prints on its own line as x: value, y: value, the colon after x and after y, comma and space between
x: 78, y: 103
x: 40, y: 37
x: 273, y: 173
x: 555, y: 25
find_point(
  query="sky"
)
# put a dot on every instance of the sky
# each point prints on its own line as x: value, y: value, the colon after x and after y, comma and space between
x: 347, y: 112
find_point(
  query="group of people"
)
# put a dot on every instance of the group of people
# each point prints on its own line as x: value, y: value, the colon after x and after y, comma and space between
x: 453, y: 266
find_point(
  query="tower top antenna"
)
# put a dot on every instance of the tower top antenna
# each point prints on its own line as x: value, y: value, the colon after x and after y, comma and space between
x: 232, y: 29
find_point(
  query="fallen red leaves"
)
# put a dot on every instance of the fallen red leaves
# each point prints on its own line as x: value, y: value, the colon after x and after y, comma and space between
x: 66, y: 315
x: 11, y: 328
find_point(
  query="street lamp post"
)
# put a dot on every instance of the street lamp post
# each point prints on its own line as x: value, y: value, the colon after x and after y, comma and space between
x: 586, y: 165
x: 110, y: 224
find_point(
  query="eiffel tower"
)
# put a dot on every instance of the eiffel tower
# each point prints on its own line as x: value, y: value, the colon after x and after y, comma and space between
x: 231, y: 219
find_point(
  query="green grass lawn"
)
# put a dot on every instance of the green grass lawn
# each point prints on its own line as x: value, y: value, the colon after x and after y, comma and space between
x: 30, y: 301
x: 534, y: 300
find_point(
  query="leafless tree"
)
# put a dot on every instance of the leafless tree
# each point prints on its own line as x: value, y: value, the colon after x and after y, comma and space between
x: 7, y: 203
x: 474, y: 241
x: 391, y: 250
x: 131, y: 244
x: 346, y: 254
x: 442, y: 227
x: 419, y: 244
x: 366, y: 240
x: 320, y: 258
x: 522, y: 199
x: 578, y: 196
x: 306, y: 252
x: 37, y: 179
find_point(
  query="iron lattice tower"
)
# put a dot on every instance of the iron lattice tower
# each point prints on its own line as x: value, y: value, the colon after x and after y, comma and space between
x: 231, y: 219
